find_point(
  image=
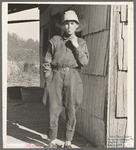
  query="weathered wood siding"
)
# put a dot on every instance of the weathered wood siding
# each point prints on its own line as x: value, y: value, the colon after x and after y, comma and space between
x: 98, y: 49
x: 91, y: 118
x: 117, y: 89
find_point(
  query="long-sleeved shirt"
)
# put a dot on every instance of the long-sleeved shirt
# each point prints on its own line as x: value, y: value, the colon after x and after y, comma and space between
x: 61, y: 53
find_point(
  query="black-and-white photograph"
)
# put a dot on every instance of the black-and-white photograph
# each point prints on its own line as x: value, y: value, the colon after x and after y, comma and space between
x: 68, y: 73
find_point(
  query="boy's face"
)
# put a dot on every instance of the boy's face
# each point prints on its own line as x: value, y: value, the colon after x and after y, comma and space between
x: 70, y: 27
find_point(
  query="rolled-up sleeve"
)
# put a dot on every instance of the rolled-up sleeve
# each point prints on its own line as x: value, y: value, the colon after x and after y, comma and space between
x: 82, y: 54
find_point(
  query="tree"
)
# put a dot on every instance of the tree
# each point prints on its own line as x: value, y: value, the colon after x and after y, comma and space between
x: 17, y: 49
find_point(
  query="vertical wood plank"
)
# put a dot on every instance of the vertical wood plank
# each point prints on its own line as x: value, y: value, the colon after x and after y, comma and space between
x: 93, y: 16
x: 102, y: 53
x: 95, y: 128
x: 115, y: 125
x: 91, y: 123
x: 92, y: 54
x: 95, y: 96
x: 90, y: 47
x: 96, y: 52
x: 88, y: 40
x: 83, y: 105
x: 98, y: 66
x: 96, y: 21
x: 122, y: 95
x: 104, y: 10
x: 112, y: 81
x: 94, y: 112
x: 123, y: 13
x: 122, y: 52
x: 103, y: 97
x: 99, y: 97
x: 81, y: 17
x: 121, y: 44
x: 90, y: 128
x: 95, y: 38
x: 91, y: 19
x: 101, y: 133
x: 121, y: 132
x: 97, y: 45
x: 86, y: 18
x: 106, y: 56
x: 99, y: 19
x: 108, y: 17
x: 98, y: 129
x: 87, y: 90
x: 125, y: 40
x: 125, y: 95
x: 85, y: 125
x: 90, y: 98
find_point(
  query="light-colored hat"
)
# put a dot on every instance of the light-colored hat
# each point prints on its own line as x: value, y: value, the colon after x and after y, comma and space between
x: 69, y: 15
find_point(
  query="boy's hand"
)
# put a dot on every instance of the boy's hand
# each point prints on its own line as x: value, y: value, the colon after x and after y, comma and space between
x: 46, y: 74
x: 46, y: 69
x: 74, y: 41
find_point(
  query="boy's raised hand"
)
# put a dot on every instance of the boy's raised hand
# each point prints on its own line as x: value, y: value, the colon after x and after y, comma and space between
x: 74, y: 41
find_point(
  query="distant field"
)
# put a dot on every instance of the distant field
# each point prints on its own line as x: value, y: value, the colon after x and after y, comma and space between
x: 23, y: 62
x: 23, y: 74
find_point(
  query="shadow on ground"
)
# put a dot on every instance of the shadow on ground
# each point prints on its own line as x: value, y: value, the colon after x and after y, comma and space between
x: 28, y: 122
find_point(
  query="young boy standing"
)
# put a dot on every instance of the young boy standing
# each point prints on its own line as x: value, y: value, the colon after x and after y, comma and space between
x: 65, y: 56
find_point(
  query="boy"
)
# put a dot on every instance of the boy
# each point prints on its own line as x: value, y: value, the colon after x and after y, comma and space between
x: 66, y: 54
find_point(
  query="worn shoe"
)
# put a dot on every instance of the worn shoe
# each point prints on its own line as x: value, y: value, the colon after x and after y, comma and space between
x: 51, y: 145
x: 67, y: 146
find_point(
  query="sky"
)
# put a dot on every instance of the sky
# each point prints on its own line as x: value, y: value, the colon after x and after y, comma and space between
x: 25, y: 30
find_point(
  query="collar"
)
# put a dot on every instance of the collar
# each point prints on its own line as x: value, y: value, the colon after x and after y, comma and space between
x: 64, y: 37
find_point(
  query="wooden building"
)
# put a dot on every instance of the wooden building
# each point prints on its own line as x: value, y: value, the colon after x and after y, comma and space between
x: 103, y: 112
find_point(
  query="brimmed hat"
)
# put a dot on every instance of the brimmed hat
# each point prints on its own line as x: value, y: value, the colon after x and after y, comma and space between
x: 69, y: 15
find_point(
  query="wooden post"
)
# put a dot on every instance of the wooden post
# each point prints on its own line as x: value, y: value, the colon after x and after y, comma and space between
x: 116, y: 126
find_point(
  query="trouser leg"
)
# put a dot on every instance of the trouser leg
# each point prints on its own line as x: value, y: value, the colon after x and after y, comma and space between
x: 73, y: 97
x: 53, y: 121
x: 55, y: 104
x: 70, y: 124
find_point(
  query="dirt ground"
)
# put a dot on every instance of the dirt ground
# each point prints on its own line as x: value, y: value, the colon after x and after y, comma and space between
x: 27, y: 126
